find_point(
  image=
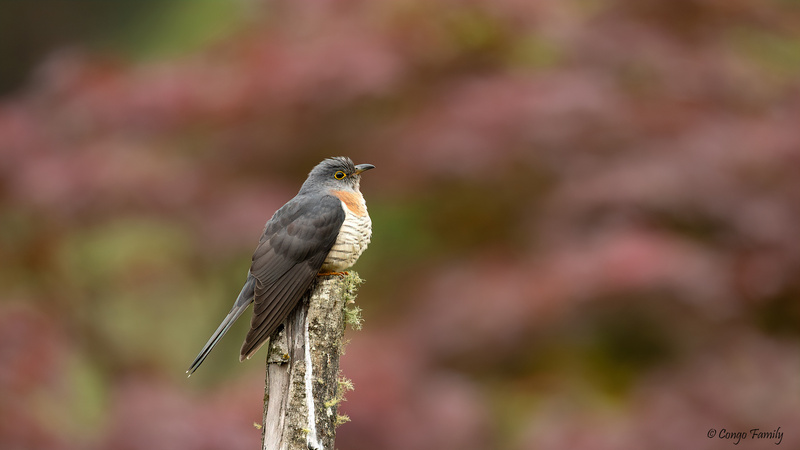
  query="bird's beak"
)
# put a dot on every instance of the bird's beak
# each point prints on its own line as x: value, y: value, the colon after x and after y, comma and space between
x: 363, y: 168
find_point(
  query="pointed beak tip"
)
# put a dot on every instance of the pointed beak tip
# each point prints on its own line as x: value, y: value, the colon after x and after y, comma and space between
x: 363, y: 168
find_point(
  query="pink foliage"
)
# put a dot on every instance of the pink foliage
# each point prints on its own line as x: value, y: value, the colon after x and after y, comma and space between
x: 585, y: 223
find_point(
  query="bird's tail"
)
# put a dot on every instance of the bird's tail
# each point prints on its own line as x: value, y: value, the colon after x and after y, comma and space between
x: 239, y: 307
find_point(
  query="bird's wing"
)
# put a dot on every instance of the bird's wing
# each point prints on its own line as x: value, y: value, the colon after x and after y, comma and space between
x: 290, y: 254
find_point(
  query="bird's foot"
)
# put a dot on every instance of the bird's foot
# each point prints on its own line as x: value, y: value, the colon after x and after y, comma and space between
x: 325, y: 274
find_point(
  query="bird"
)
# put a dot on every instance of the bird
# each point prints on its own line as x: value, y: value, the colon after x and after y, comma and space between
x: 323, y: 230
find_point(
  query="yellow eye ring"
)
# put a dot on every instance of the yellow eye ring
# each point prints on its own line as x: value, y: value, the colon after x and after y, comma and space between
x: 339, y: 175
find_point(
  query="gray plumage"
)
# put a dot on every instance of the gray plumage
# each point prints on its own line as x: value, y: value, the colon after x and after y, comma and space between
x: 295, y: 246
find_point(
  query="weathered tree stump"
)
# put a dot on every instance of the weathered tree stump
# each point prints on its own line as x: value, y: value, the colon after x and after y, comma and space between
x: 300, y: 406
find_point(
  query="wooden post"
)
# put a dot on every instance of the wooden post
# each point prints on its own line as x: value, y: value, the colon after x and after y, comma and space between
x: 300, y: 406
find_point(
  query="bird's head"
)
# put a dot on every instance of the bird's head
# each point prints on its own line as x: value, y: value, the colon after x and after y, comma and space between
x: 337, y: 173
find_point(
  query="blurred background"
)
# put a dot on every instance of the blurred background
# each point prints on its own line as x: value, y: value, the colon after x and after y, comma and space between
x: 585, y: 217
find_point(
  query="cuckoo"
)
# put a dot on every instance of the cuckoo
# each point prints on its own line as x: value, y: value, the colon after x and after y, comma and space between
x: 322, y: 230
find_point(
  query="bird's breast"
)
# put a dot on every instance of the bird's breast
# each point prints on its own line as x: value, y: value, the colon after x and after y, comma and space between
x: 353, y: 202
x: 353, y: 238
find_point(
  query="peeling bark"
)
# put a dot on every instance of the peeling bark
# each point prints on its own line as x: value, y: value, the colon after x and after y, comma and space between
x: 319, y: 318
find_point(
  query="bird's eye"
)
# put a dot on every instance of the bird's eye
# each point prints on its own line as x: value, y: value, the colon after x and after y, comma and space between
x: 339, y: 175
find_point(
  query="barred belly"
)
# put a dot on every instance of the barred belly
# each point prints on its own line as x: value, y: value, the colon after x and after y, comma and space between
x: 354, y: 236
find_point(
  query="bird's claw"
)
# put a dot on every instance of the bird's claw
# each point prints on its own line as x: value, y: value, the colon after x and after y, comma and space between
x: 325, y: 274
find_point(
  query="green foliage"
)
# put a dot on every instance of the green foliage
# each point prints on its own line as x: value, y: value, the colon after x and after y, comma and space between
x: 778, y: 53
x: 125, y: 251
x: 174, y: 28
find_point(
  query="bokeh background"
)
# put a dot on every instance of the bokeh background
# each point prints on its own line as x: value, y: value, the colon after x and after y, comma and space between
x: 585, y: 217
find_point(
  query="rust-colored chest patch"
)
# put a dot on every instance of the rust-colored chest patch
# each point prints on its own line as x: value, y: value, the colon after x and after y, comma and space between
x: 353, y: 200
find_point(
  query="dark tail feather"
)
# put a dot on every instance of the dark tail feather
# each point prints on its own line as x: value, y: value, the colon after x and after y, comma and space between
x: 242, y: 302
